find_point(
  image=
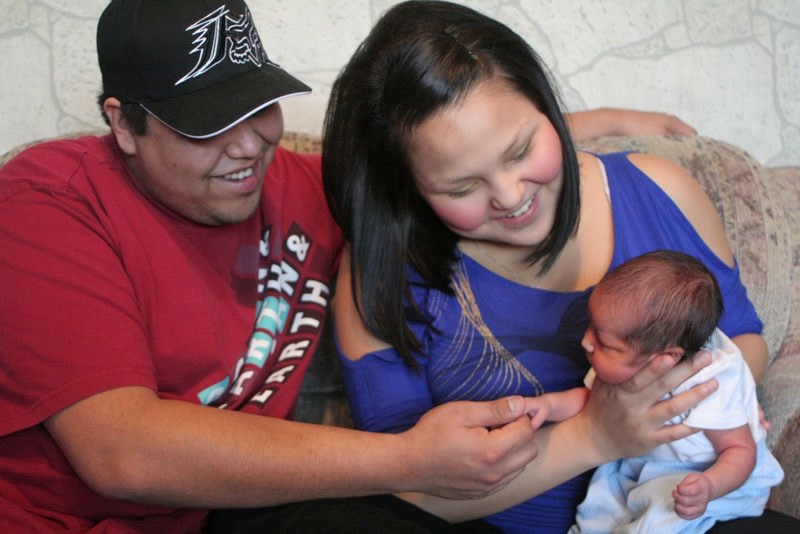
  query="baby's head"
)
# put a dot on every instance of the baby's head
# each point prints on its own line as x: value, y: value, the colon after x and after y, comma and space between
x: 659, y: 302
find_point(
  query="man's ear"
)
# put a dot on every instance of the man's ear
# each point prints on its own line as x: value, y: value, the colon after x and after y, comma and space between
x: 123, y: 133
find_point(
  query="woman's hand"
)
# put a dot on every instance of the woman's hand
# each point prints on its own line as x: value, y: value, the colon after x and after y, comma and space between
x: 629, y: 419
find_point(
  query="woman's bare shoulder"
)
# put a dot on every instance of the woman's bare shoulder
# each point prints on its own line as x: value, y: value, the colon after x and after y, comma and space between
x: 354, y: 339
x: 690, y: 198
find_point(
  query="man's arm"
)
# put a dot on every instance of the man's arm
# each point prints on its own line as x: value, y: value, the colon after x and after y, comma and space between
x: 599, y: 122
x: 129, y: 444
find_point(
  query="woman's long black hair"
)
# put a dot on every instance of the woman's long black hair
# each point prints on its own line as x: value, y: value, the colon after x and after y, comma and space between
x: 420, y: 57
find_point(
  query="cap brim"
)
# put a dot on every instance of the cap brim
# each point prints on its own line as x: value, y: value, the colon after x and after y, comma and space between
x: 213, y: 110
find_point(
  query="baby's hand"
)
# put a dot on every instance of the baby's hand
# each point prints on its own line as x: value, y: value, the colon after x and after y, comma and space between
x: 540, y: 411
x: 693, y: 495
x: 555, y: 406
x: 762, y: 418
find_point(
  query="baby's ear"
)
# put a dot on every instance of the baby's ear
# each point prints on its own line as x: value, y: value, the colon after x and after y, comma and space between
x: 676, y: 352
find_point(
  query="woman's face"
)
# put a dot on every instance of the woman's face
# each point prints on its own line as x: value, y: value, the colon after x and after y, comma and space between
x: 490, y: 166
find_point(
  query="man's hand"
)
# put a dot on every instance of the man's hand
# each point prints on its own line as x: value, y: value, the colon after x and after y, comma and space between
x: 471, y: 449
x: 635, y: 122
x: 592, y: 123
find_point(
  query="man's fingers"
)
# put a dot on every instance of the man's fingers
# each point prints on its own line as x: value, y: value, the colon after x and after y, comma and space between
x: 677, y: 126
x: 511, y: 436
x: 497, y: 412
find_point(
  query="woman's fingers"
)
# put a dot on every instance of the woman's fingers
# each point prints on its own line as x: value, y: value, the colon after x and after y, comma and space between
x: 631, y: 417
x: 662, y: 374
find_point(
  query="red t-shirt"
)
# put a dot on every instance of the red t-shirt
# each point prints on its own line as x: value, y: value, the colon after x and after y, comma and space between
x: 103, y: 289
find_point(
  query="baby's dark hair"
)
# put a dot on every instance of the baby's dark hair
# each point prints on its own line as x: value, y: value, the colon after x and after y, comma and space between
x: 667, y: 299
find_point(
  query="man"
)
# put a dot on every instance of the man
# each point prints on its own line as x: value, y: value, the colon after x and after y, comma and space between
x: 164, y: 288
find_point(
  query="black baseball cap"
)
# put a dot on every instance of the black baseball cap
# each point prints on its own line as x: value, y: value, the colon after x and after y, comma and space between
x: 196, y: 65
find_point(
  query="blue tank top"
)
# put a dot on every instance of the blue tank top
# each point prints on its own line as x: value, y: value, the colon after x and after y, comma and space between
x: 496, y: 337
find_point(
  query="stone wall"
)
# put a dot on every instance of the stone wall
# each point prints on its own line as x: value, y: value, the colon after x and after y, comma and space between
x: 731, y: 68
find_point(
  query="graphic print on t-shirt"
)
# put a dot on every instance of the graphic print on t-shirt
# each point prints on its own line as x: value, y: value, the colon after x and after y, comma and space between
x: 290, y: 315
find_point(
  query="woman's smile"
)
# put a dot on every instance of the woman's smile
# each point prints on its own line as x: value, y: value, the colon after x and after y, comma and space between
x: 490, y: 167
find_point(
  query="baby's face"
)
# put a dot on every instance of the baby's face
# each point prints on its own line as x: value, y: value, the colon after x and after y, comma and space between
x: 612, y: 358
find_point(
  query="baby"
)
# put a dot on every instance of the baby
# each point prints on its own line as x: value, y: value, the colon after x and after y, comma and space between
x: 668, y: 302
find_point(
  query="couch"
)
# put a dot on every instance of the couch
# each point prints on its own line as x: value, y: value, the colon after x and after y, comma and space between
x: 759, y: 207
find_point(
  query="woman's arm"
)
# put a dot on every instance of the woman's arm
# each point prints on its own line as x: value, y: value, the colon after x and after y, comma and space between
x: 618, y: 421
x: 592, y: 123
x: 755, y: 353
x: 353, y: 337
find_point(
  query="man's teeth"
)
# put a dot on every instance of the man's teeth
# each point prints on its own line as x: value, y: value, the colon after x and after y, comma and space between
x: 525, y: 207
x: 241, y: 175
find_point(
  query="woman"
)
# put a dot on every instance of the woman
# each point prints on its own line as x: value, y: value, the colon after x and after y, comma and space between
x: 476, y: 230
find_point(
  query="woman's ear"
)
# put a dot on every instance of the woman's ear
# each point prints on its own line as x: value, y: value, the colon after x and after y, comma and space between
x: 123, y: 133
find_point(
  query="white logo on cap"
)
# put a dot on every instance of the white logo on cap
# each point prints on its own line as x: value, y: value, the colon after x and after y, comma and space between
x: 219, y: 36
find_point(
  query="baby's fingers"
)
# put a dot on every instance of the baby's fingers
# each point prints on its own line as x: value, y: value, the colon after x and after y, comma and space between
x: 691, y: 496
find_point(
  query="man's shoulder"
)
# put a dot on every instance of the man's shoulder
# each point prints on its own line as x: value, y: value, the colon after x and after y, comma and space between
x: 56, y: 162
x: 295, y: 180
x: 68, y: 143
x: 289, y: 164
